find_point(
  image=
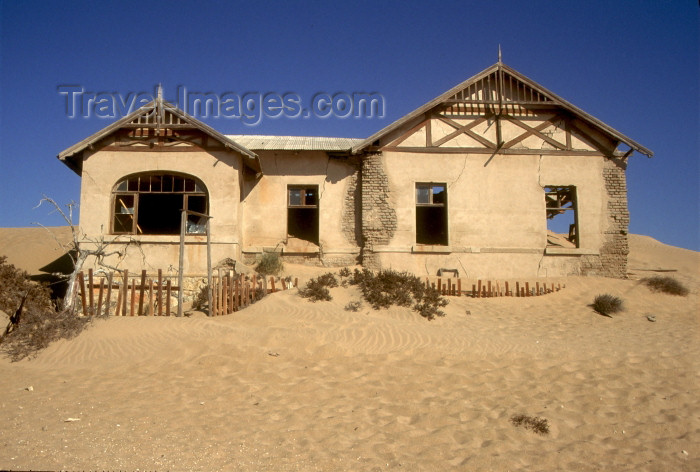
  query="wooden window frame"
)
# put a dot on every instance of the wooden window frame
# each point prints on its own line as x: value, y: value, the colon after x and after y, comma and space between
x: 154, y: 183
x: 313, y: 235
x: 431, y: 186
x: 556, y: 202
x: 303, y: 189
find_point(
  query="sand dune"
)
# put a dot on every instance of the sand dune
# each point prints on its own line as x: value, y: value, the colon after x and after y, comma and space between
x: 291, y: 385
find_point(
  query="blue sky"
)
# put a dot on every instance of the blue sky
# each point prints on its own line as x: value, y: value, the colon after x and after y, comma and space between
x: 632, y: 64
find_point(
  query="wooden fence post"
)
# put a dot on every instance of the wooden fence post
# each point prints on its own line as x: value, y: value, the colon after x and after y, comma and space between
x: 109, y: 293
x: 160, y: 292
x: 118, y: 308
x: 224, y: 295
x: 150, y: 297
x: 141, y: 289
x: 133, y: 296
x: 99, y: 298
x: 126, y: 291
x: 167, y: 297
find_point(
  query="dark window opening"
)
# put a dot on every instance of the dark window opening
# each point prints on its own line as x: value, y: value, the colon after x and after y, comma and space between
x: 302, y: 213
x: 153, y: 204
x: 159, y: 213
x: 431, y: 214
x: 562, y: 217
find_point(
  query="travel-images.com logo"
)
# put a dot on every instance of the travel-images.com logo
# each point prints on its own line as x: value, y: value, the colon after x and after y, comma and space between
x: 250, y: 107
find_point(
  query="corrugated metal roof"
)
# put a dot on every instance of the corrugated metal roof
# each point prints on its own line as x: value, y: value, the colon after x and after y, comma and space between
x: 293, y: 143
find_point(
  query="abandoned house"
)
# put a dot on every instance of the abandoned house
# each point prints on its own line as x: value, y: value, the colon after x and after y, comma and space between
x: 497, y: 177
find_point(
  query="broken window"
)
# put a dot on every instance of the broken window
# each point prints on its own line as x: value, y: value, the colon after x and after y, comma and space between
x: 302, y: 213
x: 431, y: 214
x: 562, y: 217
x: 152, y: 204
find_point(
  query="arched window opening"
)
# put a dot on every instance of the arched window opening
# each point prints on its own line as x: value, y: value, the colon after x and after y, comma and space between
x: 152, y: 204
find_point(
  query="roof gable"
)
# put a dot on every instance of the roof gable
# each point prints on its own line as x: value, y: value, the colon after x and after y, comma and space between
x: 498, y: 90
x: 159, y: 116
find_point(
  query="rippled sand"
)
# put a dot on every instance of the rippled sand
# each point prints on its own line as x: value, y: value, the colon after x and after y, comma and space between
x: 292, y: 385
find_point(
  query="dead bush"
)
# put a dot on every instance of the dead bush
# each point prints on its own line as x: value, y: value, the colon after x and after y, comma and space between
x: 607, y: 304
x: 317, y: 289
x: 666, y: 284
x: 40, y: 324
x: 353, y: 306
x: 534, y: 423
x: 270, y: 264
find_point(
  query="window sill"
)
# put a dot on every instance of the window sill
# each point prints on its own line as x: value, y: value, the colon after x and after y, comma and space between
x: 425, y: 248
x: 570, y: 251
x: 158, y: 238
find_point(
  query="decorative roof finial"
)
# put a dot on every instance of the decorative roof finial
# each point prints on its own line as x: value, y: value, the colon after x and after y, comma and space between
x: 499, y: 54
x: 160, y: 113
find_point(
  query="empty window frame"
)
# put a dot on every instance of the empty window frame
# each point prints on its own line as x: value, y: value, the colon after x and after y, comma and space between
x: 151, y: 203
x: 562, y: 216
x: 302, y: 212
x: 431, y: 214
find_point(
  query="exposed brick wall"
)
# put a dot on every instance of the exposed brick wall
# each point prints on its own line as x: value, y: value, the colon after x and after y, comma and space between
x: 350, y: 220
x: 612, y: 261
x: 378, y: 217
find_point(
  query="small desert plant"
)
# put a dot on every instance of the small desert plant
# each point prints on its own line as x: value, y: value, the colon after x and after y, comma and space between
x: 607, y: 304
x: 39, y: 323
x: 317, y: 289
x: 381, y: 290
x: 388, y: 287
x: 534, y: 423
x: 666, y: 285
x: 201, y: 300
x: 270, y: 264
x: 353, y: 306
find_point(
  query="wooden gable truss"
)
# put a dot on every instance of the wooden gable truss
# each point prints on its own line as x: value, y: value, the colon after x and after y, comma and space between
x: 500, y: 111
x: 157, y: 126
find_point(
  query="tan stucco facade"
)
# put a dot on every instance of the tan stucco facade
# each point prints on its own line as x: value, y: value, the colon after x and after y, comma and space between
x: 499, y: 146
x: 248, y: 212
x: 496, y: 212
x: 264, y: 208
x: 219, y: 171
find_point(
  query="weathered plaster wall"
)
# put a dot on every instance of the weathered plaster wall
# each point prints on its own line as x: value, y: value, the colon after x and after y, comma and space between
x: 219, y: 171
x: 496, y: 212
x: 264, y: 208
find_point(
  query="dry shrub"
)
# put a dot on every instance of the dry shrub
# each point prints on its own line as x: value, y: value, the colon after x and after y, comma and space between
x: 607, y: 304
x: 270, y: 264
x: 353, y: 306
x: 388, y: 287
x: 666, y: 285
x: 534, y: 423
x: 317, y: 289
x: 381, y: 290
x: 40, y: 324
